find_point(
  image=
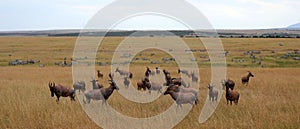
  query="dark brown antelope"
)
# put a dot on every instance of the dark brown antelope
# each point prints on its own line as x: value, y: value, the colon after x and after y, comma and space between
x: 142, y: 84
x: 61, y: 91
x: 100, y: 94
x: 148, y: 71
x: 245, y: 79
x: 229, y: 83
x: 124, y: 73
x: 111, y: 76
x: 231, y: 95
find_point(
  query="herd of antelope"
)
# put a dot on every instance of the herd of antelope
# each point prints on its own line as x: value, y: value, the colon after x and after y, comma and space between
x: 180, y: 92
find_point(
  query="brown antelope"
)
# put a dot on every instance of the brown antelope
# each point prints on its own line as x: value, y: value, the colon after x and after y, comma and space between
x: 100, y: 94
x: 61, y: 91
x: 232, y: 95
x: 245, y: 79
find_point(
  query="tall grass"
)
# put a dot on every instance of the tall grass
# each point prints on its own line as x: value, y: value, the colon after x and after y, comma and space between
x: 269, y: 101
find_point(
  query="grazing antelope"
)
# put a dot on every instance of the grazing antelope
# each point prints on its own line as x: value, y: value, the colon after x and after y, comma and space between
x: 100, y: 94
x: 100, y: 74
x: 124, y: 73
x: 245, y: 79
x: 61, y: 91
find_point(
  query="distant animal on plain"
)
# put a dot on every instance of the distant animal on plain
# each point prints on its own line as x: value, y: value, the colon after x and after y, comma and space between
x: 245, y: 79
x: 124, y: 73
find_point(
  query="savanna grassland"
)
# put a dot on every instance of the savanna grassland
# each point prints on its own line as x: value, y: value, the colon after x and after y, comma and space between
x: 271, y: 100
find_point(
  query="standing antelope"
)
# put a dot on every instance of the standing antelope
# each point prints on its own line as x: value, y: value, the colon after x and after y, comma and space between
x: 213, y: 93
x: 181, y: 98
x: 61, y: 91
x: 229, y: 83
x: 100, y: 94
x: 124, y: 73
x: 245, y: 79
x: 231, y: 95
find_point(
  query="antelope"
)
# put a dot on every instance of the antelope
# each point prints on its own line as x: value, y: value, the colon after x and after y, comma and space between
x: 61, y: 91
x: 245, y: 79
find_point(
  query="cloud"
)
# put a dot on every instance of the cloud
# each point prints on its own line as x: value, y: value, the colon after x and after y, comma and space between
x: 250, y: 13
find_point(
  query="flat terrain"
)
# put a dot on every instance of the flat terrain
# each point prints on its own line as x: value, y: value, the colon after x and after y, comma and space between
x: 271, y: 100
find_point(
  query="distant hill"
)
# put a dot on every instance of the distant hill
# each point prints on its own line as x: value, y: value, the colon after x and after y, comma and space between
x: 223, y: 33
x: 294, y: 26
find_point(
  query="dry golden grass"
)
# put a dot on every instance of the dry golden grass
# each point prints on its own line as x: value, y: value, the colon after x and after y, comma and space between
x: 270, y: 101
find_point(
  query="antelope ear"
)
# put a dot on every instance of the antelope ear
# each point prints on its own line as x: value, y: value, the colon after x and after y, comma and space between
x: 50, y: 84
x: 53, y: 84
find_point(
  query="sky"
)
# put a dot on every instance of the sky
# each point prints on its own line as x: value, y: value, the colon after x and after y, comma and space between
x: 74, y: 14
